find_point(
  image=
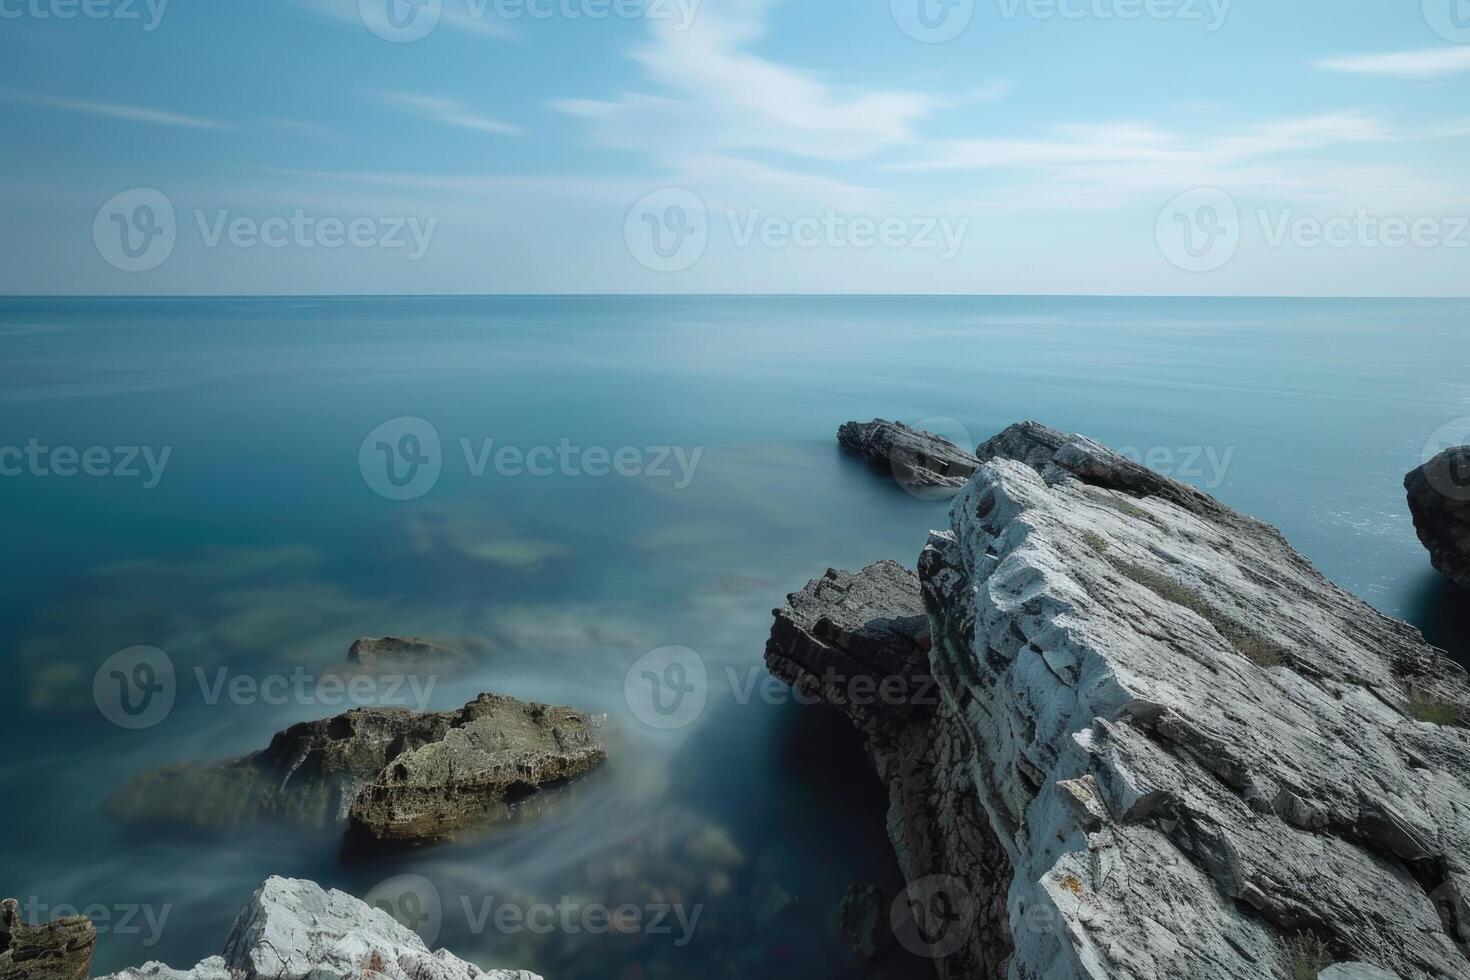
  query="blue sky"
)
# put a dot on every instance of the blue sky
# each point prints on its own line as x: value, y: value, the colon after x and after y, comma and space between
x: 1311, y: 147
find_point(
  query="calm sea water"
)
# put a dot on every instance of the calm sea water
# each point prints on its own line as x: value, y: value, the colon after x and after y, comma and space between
x: 263, y: 548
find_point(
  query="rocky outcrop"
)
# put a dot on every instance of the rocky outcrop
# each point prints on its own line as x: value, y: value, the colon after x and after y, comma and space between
x: 293, y: 930
x: 404, y: 654
x: 430, y: 774
x: 1439, y: 499
x: 862, y: 922
x: 1196, y: 755
x: 922, y: 462
x: 59, y: 950
x: 497, y: 751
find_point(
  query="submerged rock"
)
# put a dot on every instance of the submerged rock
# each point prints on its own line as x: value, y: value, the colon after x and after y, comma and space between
x: 497, y: 751
x: 429, y: 773
x: 293, y: 930
x: 922, y: 462
x: 59, y: 950
x: 862, y: 922
x: 1186, y: 745
x: 404, y: 653
x: 1439, y: 498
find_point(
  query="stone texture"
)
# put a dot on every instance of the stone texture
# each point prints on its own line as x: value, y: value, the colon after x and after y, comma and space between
x: 922, y: 463
x: 497, y: 751
x: 1189, y: 746
x: 293, y: 930
x: 59, y: 950
x: 404, y: 653
x: 1439, y: 499
x: 862, y: 922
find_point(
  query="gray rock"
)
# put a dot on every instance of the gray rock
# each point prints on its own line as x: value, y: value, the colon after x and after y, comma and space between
x: 923, y: 463
x: 1356, y: 971
x: 59, y: 950
x: 1439, y: 499
x: 1188, y: 746
x: 497, y: 751
x: 293, y: 930
x: 862, y: 922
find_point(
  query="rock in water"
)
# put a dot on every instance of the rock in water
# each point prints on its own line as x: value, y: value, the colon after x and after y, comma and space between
x: 862, y: 922
x: 293, y: 930
x: 497, y: 751
x: 1439, y: 498
x: 1189, y: 747
x: 923, y: 463
x: 59, y: 950
x: 404, y: 653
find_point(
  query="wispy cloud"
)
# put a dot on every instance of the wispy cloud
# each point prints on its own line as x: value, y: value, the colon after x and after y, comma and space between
x: 447, y: 112
x: 1420, y: 65
x: 466, y: 18
x: 116, y: 110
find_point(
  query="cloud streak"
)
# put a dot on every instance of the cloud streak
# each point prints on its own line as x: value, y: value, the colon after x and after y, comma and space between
x: 116, y: 110
x: 1423, y: 65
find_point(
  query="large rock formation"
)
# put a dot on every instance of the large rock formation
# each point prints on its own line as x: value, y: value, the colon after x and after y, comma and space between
x: 923, y: 463
x: 293, y: 930
x: 496, y: 752
x: 430, y: 774
x: 1196, y: 756
x: 59, y: 950
x: 1439, y: 498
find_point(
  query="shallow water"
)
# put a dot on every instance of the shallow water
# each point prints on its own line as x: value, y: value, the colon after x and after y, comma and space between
x: 264, y: 549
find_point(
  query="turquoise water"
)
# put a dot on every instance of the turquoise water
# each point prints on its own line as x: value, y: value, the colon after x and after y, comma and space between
x: 263, y: 548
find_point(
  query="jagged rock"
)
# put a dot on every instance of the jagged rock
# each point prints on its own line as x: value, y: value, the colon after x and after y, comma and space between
x: 404, y: 653
x: 1356, y: 971
x: 293, y: 930
x: 497, y: 751
x: 59, y: 950
x: 922, y: 462
x: 1439, y: 498
x: 1189, y: 746
x: 862, y: 921
x: 309, y: 773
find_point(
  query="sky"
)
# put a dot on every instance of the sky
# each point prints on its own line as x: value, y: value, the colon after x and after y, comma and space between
x: 1181, y: 147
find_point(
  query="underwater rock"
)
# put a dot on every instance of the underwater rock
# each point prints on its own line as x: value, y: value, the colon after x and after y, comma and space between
x: 293, y: 930
x: 497, y: 751
x: 862, y: 921
x: 1439, y: 498
x: 918, y: 460
x: 1188, y: 746
x: 58, y: 950
x: 404, y: 653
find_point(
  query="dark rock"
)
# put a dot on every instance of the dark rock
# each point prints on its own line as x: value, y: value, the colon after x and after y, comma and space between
x: 59, y: 950
x: 1439, y: 499
x: 862, y: 922
x: 923, y: 463
x: 404, y: 653
x: 497, y: 751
